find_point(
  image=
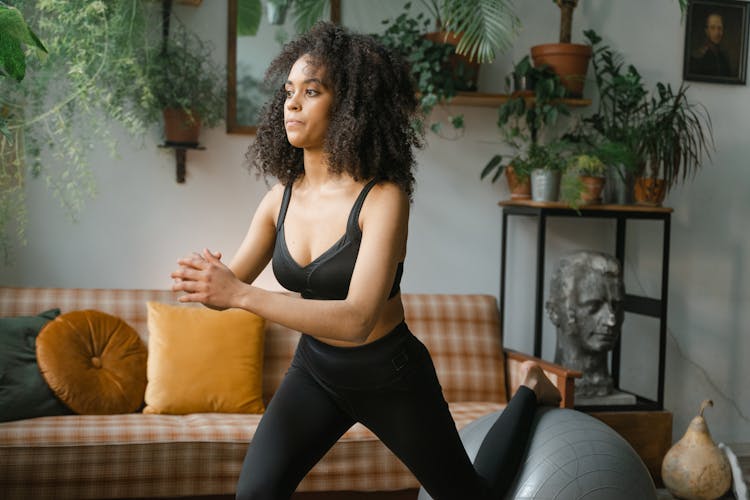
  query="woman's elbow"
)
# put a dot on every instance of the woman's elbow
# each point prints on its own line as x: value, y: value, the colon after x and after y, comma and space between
x: 361, y: 326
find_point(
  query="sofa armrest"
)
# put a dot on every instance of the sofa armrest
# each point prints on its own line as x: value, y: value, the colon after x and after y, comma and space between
x: 562, y: 377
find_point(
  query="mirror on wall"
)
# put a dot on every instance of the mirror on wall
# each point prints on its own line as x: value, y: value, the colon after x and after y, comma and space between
x: 248, y: 56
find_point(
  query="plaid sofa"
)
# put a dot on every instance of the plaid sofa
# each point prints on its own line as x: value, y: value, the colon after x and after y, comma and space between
x: 162, y: 456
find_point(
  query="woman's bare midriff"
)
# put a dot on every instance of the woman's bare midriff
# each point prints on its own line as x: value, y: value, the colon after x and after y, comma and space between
x: 390, y: 318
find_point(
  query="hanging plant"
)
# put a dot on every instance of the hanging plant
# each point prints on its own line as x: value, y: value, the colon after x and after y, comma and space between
x: 181, y: 76
x: 62, y: 110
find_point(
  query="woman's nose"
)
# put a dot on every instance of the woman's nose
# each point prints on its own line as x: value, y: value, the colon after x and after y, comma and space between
x: 292, y: 103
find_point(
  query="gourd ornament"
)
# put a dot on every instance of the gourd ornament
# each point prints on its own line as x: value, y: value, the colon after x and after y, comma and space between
x: 695, y: 468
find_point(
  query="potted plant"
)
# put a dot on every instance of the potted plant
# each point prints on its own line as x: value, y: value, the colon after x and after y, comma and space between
x: 184, y: 86
x: 547, y: 164
x: 583, y: 181
x: 660, y: 138
x: 482, y: 26
x: 523, y: 122
x: 517, y: 172
x: 569, y: 60
x: 63, y: 109
x: 476, y: 29
x: 615, y: 126
x: 427, y: 59
x: 676, y: 137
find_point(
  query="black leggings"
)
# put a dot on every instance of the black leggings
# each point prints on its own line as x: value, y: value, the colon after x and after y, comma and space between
x: 391, y: 387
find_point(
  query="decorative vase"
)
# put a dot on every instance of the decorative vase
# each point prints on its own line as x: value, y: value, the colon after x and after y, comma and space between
x: 695, y: 468
x: 649, y: 191
x: 519, y: 189
x: 181, y: 127
x: 570, y: 61
x: 545, y: 184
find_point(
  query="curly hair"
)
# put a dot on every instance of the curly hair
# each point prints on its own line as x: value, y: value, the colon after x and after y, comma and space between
x: 370, y: 132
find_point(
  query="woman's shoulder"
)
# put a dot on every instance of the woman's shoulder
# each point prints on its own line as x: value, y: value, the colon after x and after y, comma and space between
x: 388, y: 191
x: 271, y: 201
x: 386, y: 195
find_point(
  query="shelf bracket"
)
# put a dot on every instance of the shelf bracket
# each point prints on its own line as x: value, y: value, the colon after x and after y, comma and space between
x: 180, y: 151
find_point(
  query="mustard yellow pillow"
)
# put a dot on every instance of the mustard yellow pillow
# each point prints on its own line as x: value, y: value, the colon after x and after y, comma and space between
x: 203, y: 361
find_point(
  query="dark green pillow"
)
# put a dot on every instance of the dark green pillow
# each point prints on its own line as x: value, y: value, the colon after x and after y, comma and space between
x: 23, y: 391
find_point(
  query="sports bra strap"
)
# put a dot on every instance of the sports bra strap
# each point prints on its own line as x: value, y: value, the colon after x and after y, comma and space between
x: 353, y: 222
x: 284, y: 205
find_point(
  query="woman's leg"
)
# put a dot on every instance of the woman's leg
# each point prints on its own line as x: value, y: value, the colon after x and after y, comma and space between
x: 300, y: 424
x: 500, y: 454
x: 412, y: 418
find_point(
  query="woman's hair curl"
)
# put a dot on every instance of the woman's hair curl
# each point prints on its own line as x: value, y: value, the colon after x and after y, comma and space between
x: 370, y: 133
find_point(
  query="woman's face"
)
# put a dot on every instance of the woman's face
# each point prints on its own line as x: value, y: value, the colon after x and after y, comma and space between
x: 308, y: 101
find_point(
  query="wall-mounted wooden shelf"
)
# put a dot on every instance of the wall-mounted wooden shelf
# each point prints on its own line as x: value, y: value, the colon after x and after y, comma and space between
x: 487, y: 100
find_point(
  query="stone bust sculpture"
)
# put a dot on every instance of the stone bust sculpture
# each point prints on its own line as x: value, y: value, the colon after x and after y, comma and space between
x: 586, y: 306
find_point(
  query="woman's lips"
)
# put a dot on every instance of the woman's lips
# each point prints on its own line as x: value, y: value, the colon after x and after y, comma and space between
x: 293, y: 123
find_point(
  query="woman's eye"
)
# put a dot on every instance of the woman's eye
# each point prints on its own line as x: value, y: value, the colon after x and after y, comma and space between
x: 289, y: 94
x: 311, y: 92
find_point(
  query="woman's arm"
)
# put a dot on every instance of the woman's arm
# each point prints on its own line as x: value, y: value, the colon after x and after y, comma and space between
x: 256, y: 248
x: 384, y: 220
x: 254, y: 252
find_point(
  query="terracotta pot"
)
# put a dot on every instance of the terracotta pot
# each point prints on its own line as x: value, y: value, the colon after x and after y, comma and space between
x: 569, y: 60
x: 465, y: 71
x: 649, y: 191
x: 180, y: 127
x: 519, y: 190
x: 593, y: 193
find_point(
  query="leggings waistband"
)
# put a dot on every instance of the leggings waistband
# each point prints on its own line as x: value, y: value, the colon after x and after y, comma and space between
x: 368, y: 365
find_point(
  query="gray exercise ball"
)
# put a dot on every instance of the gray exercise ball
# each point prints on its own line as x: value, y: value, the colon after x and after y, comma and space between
x: 570, y: 456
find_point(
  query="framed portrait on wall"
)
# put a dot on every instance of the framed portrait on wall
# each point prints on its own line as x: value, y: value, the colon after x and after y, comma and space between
x: 716, y: 35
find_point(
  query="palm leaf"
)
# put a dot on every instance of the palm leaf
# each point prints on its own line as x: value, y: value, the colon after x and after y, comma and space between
x: 486, y: 25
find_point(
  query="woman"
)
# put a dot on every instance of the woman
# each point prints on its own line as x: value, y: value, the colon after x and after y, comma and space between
x: 338, y: 135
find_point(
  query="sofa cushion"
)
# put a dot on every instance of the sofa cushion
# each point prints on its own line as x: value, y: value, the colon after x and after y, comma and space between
x: 201, y: 360
x: 94, y: 362
x: 23, y: 391
x: 150, y: 456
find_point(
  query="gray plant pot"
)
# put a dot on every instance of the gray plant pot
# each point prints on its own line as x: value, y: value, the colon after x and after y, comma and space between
x: 545, y: 184
x: 616, y: 190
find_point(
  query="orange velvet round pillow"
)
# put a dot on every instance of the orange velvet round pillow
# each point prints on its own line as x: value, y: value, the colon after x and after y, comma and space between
x: 95, y: 363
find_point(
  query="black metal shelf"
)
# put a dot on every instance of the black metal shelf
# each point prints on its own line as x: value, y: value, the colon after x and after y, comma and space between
x: 646, y: 306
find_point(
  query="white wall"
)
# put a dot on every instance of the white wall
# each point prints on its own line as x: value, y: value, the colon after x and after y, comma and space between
x: 142, y: 221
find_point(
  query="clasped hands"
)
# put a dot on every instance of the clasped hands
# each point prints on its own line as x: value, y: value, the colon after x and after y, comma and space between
x: 205, y: 279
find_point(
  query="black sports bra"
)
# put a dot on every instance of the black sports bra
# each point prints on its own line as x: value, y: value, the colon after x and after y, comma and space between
x: 328, y: 276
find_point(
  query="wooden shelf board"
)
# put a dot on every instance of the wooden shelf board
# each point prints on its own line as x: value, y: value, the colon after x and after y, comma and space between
x: 584, y: 208
x: 485, y: 99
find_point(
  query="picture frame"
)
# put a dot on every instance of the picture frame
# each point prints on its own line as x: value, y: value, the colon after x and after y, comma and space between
x: 716, y: 41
